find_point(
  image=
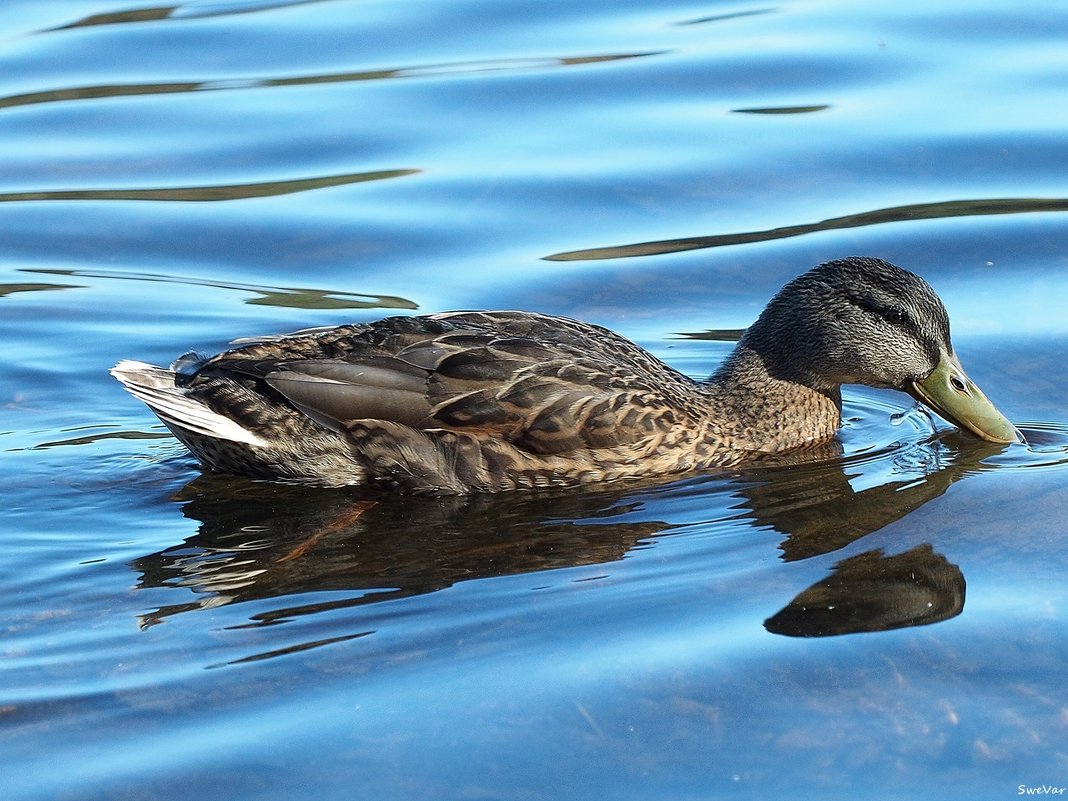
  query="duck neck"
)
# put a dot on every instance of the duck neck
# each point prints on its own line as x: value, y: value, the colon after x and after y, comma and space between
x: 762, y: 409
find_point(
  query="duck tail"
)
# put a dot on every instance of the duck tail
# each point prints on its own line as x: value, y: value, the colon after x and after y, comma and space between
x: 180, y: 411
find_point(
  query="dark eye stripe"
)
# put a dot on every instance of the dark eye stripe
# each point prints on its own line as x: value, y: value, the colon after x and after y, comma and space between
x: 891, y: 314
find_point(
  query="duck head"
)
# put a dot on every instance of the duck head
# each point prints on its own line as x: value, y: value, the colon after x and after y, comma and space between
x: 862, y: 320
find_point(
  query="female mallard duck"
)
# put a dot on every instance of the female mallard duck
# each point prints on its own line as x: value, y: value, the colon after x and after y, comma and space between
x: 493, y: 401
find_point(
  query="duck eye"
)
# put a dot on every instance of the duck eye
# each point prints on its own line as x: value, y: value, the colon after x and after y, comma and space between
x: 895, y: 316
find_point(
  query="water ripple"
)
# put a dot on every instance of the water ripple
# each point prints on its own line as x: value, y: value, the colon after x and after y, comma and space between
x: 208, y: 193
x: 285, y: 297
x: 756, y: 12
x: 913, y: 211
x: 459, y: 68
x: 12, y: 288
x: 783, y: 109
x: 1045, y: 445
x: 180, y: 11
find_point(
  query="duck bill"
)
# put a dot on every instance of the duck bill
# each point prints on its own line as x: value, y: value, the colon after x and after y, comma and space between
x: 949, y: 392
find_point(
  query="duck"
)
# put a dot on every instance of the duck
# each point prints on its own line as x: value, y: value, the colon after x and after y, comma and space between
x: 493, y: 401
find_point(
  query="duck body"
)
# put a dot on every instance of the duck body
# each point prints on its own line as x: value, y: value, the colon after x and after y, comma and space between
x: 494, y: 401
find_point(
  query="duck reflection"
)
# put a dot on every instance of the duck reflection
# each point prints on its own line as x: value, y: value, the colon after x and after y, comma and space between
x: 262, y: 540
x: 258, y: 541
x: 875, y: 592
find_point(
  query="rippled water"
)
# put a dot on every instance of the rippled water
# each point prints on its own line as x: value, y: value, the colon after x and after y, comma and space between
x: 172, y: 177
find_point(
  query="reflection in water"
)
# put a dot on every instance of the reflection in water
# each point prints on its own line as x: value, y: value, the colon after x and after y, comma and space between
x: 714, y: 334
x: 96, y: 436
x: 782, y: 109
x: 756, y: 12
x: 821, y: 508
x: 915, y: 211
x: 181, y: 11
x: 70, y: 93
x: 874, y: 592
x: 262, y: 541
x: 208, y: 193
x: 10, y: 289
x: 117, y: 17
x: 287, y: 297
x: 259, y: 541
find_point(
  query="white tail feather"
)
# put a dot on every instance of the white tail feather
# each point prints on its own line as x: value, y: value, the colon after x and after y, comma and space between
x: 155, y: 387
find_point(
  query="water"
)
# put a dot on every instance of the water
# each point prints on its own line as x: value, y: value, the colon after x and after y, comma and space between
x: 174, y: 177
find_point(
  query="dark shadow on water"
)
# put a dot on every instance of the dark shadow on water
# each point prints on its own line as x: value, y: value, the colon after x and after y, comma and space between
x: 258, y: 541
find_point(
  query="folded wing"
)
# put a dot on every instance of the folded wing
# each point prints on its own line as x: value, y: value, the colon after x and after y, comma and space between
x: 547, y: 385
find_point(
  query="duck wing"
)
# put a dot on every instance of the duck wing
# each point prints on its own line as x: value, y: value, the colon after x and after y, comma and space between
x: 546, y: 384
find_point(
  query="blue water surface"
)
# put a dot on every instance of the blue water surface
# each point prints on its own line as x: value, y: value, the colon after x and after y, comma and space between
x: 886, y: 624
